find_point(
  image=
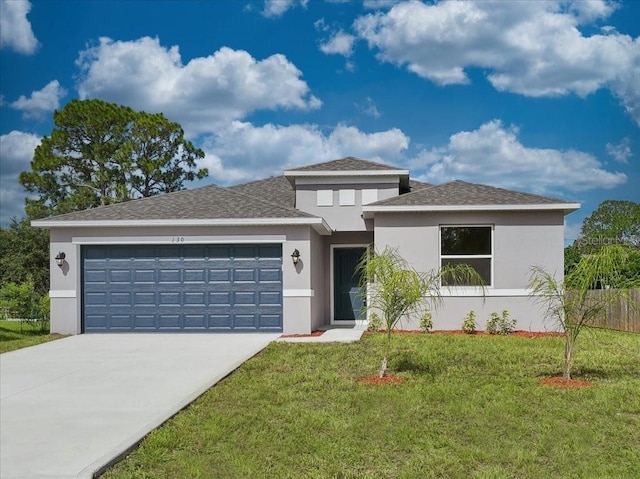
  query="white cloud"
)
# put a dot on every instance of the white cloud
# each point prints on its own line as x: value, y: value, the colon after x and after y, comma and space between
x: 277, y: 8
x: 16, y: 152
x: 379, y: 4
x: 494, y: 155
x: 531, y: 48
x: 340, y: 43
x: 41, y: 101
x: 620, y: 152
x: 201, y: 95
x: 369, y: 108
x: 15, y: 29
x: 243, y: 151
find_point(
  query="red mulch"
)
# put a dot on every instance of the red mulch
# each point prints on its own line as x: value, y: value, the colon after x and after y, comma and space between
x: 312, y: 335
x: 561, y: 382
x: 382, y: 380
x: 520, y: 334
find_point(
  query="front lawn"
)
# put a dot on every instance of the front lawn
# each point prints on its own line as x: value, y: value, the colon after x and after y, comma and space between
x: 469, y: 407
x: 16, y: 335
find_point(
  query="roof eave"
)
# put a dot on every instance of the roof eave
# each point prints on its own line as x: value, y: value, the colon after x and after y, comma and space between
x: 318, y: 224
x: 369, y: 211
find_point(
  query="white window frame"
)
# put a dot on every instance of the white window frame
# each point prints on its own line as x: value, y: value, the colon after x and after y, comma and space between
x: 348, y: 197
x: 490, y: 256
x: 324, y: 198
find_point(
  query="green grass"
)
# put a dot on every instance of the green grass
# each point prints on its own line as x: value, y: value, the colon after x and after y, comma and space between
x: 470, y: 407
x: 16, y: 335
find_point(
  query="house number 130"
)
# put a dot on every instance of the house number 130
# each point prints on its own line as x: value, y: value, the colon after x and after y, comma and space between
x: 177, y: 239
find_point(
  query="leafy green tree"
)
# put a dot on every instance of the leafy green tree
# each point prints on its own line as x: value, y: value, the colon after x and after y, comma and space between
x: 394, y: 289
x: 613, y: 222
x: 163, y: 159
x: 24, y: 255
x: 101, y: 153
x: 573, y: 304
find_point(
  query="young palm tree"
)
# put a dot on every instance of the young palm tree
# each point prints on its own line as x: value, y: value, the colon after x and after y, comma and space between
x: 394, y: 289
x: 573, y: 304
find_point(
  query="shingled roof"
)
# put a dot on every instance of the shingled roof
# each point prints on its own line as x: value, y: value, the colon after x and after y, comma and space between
x: 349, y: 163
x: 208, y: 202
x: 461, y: 193
x: 276, y: 189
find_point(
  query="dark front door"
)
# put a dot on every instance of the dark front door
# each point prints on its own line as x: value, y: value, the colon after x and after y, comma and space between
x: 347, y: 298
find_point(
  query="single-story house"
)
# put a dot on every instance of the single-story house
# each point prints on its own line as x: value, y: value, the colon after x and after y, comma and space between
x: 279, y: 254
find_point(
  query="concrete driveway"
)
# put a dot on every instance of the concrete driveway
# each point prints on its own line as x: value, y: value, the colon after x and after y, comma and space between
x: 69, y: 407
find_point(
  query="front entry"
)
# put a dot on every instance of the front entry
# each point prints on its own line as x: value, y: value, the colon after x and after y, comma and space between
x: 348, y: 301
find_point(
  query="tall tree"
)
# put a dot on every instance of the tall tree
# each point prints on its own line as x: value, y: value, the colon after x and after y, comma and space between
x: 613, y: 222
x: 101, y: 153
x: 163, y: 159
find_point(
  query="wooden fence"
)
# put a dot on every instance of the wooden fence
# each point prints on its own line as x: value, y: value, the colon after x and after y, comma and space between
x: 619, y: 315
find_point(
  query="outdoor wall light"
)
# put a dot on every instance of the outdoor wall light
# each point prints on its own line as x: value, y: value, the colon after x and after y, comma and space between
x: 295, y: 256
x: 60, y: 258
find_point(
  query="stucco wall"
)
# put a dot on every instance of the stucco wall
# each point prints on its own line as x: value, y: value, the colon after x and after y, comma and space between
x: 66, y: 288
x: 342, y: 218
x: 520, y: 240
x: 319, y: 281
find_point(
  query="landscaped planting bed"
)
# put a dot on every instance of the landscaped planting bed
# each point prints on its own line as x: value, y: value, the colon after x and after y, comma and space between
x: 467, y: 406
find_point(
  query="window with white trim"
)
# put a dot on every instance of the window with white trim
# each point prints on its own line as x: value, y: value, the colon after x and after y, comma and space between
x: 347, y: 197
x: 471, y: 245
x: 324, y: 198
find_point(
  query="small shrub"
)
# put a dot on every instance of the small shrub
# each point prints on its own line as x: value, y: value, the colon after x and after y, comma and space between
x: 501, y: 324
x: 375, y: 323
x: 20, y: 299
x: 426, y: 322
x: 469, y: 325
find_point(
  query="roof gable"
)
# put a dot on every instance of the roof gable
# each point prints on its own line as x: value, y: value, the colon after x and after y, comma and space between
x: 349, y: 163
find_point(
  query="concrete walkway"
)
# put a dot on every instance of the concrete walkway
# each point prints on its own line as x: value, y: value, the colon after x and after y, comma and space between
x: 332, y: 334
x: 69, y: 407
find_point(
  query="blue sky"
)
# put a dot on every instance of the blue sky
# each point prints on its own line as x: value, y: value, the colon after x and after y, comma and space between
x: 539, y: 96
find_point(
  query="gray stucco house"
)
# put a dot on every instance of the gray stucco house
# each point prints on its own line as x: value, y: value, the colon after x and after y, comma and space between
x: 216, y: 259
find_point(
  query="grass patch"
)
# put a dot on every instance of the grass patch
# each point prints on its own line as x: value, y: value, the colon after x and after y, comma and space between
x: 16, y: 335
x: 469, y: 407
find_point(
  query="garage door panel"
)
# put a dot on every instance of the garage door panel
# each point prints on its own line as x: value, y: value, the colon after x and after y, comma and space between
x: 195, y: 321
x: 172, y: 276
x: 182, y: 288
x: 271, y: 321
x: 219, y: 275
x: 242, y: 298
x: 269, y: 297
x: 244, y: 275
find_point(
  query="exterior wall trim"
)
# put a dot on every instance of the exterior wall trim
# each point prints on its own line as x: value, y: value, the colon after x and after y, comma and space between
x: 489, y: 292
x: 319, y: 224
x: 566, y: 207
x: 178, y: 240
x: 63, y: 293
x: 298, y: 293
x: 339, y: 173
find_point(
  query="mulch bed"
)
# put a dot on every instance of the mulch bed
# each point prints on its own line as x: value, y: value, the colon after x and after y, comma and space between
x: 560, y: 382
x: 520, y: 334
x: 378, y: 381
x: 312, y: 335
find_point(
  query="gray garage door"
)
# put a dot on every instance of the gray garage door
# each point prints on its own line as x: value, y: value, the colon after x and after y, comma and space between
x: 187, y: 288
